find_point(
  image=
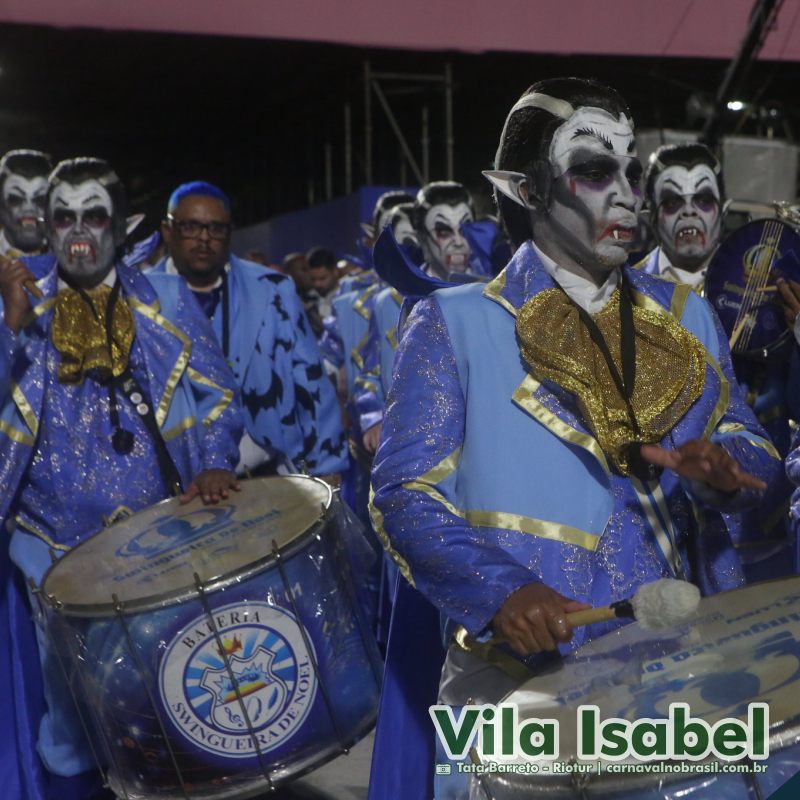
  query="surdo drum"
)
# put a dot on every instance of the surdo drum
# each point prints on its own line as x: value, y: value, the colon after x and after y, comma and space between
x: 743, y: 647
x: 216, y: 651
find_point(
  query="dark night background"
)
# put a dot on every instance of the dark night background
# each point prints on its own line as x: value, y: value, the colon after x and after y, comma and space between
x: 254, y: 115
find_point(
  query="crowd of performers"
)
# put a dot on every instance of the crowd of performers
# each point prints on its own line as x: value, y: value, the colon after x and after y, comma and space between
x: 526, y: 417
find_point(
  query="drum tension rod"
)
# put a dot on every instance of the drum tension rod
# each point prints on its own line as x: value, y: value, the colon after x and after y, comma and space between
x: 276, y: 553
x: 137, y: 659
x: 201, y: 591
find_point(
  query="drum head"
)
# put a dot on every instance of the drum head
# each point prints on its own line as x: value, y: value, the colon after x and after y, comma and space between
x: 149, y: 559
x: 743, y: 647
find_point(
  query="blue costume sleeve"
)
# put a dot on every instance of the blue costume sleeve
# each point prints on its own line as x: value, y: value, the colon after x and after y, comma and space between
x: 369, y: 397
x: 207, y: 372
x: 330, y: 343
x: 739, y: 434
x: 324, y: 448
x: 423, y: 427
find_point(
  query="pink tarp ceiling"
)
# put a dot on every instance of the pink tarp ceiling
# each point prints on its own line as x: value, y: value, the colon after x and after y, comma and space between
x: 710, y: 28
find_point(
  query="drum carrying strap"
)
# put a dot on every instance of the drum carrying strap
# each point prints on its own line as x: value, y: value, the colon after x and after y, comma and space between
x: 129, y: 386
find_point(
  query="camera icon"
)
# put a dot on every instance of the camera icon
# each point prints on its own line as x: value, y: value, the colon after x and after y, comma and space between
x: 443, y: 769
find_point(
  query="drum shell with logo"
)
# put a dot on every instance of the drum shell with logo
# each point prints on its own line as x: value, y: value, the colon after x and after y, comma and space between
x: 152, y: 676
x: 743, y: 647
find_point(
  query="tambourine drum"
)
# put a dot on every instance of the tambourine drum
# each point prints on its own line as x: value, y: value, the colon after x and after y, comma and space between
x: 217, y: 651
x: 743, y: 647
x: 740, y: 284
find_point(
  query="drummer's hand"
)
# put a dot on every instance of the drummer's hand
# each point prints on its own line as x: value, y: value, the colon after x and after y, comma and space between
x: 333, y: 479
x: 701, y: 460
x: 212, y: 485
x: 790, y: 299
x: 534, y: 618
x: 371, y: 438
x: 15, y: 278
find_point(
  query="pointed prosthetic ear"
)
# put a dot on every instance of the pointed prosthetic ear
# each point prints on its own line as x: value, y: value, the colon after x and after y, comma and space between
x: 514, y: 185
x: 132, y: 223
x: 368, y: 230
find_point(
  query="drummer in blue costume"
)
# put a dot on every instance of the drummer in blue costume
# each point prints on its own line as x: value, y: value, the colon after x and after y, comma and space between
x: 570, y: 430
x: 290, y: 407
x: 685, y: 194
x: 432, y: 232
x: 114, y: 395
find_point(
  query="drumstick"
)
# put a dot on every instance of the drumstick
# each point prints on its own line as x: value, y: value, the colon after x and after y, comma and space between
x: 658, y: 604
x: 30, y: 285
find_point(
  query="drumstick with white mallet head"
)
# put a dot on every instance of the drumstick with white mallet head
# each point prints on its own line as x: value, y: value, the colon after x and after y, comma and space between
x: 658, y: 604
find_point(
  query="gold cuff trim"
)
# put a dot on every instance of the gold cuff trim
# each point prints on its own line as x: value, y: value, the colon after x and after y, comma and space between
x: 15, y: 435
x: 391, y: 337
x: 491, y: 655
x: 34, y: 531
x: 523, y: 397
x: 377, y: 523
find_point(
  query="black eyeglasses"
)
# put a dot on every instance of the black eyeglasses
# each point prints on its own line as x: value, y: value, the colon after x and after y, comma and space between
x: 192, y: 228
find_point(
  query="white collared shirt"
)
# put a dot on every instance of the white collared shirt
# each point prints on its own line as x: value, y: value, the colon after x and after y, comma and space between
x: 673, y: 273
x: 581, y: 290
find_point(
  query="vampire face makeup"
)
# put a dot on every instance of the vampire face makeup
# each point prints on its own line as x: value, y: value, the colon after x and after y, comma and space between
x: 444, y: 248
x: 22, y: 211
x: 596, y: 195
x: 79, y: 223
x: 688, y: 214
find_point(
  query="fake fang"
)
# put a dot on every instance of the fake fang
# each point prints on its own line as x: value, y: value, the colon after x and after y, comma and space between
x: 81, y: 250
x: 691, y: 233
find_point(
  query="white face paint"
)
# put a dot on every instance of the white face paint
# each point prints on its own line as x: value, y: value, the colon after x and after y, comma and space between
x: 444, y: 248
x: 596, y: 193
x: 688, y: 214
x: 22, y: 211
x: 81, y: 230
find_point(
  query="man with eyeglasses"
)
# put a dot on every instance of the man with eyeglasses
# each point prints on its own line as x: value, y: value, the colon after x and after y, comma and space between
x: 291, y: 413
x: 23, y: 187
x: 684, y: 191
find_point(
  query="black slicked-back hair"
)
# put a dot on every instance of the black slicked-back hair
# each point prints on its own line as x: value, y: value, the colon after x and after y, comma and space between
x: 27, y: 163
x: 525, y: 145
x: 686, y: 154
x: 449, y: 193
x: 79, y: 170
x: 386, y: 201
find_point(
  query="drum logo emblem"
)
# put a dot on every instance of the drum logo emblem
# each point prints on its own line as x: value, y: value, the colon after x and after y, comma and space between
x: 261, y: 692
x: 255, y: 680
